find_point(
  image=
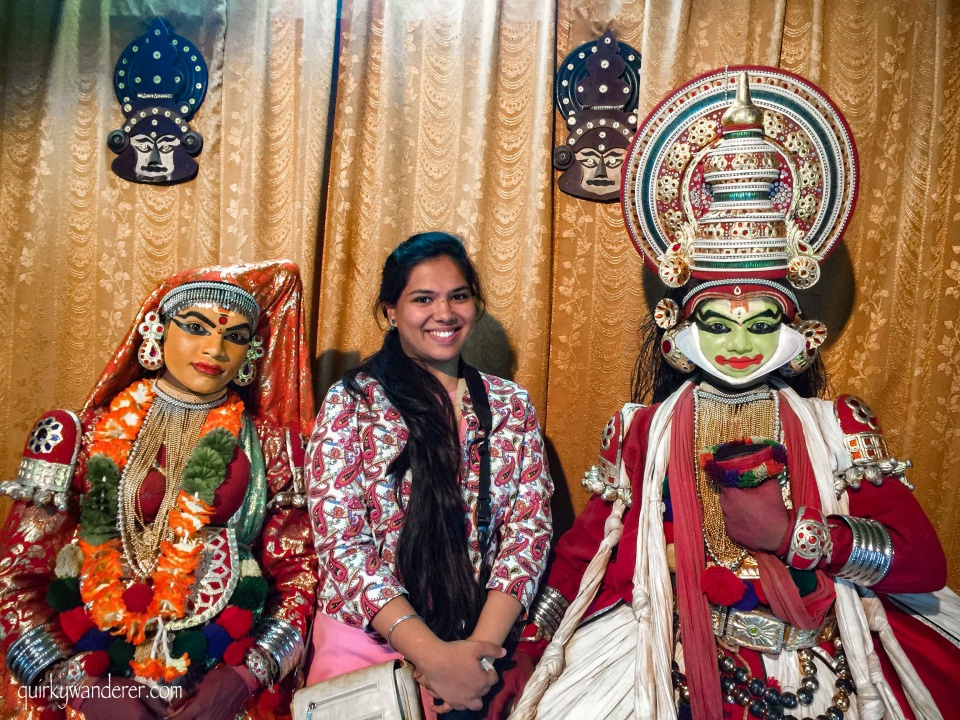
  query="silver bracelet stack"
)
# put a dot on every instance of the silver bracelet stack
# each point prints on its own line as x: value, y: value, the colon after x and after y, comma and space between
x: 548, y: 611
x: 871, y: 555
x: 281, y: 642
x: 31, y: 654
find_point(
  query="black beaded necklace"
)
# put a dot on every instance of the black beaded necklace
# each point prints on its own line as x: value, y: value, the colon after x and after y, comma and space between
x: 768, y: 703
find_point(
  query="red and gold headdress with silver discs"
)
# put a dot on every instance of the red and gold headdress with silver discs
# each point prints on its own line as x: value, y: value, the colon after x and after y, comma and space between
x: 740, y: 183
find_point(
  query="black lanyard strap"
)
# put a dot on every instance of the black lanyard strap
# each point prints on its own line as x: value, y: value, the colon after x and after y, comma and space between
x: 481, y: 406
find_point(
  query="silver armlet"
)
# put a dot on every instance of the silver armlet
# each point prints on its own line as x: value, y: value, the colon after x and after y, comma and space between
x: 31, y: 654
x: 278, y: 639
x: 547, y: 612
x: 871, y: 555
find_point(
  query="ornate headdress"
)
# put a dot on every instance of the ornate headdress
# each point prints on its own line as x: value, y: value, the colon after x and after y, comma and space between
x: 216, y: 294
x: 739, y: 184
x: 267, y: 293
x: 160, y: 82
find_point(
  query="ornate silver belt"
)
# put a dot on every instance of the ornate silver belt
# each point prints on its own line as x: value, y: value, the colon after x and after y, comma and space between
x: 763, y: 632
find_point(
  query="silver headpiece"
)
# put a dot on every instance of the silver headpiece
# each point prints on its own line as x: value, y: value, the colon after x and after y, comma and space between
x: 211, y: 293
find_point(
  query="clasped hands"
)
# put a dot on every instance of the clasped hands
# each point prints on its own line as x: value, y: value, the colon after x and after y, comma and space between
x: 453, y: 673
x: 220, y: 696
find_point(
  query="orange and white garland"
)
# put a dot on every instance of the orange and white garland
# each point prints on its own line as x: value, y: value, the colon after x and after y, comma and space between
x: 101, y: 577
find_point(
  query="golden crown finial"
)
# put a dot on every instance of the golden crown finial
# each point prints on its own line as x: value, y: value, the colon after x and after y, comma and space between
x: 743, y: 114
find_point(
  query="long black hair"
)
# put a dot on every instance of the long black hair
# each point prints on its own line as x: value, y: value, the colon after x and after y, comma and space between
x: 432, y: 555
x: 654, y: 379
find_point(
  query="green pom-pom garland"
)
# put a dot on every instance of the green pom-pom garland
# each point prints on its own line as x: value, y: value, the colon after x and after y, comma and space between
x: 63, y: 594
x: 192, y: 643
x: 250, y: 593
x: 121, y: 653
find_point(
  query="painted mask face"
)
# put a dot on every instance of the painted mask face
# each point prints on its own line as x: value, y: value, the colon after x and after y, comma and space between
x: 154, y: 155
x: 738, y: 336
x: 595, y: 172
x: 204, y: 347
x: 435, y: 315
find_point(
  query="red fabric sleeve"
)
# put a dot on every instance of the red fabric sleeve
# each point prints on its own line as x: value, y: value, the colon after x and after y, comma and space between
x: 285, y: 549
x: 919, y: 564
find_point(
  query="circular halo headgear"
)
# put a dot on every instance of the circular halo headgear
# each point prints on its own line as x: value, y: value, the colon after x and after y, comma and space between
x: 740, y: 183
x: 210, y: 294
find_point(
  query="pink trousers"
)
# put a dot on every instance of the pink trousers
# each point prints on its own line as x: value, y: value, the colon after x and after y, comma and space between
x: 339, y: 648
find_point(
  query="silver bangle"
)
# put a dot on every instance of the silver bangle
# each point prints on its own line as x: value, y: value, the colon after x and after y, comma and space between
x: 262, y: 666
x: 871, y: 554
x: 397, y: 622
x: 281, y: 641
x: 66, y: 675
x: 31, y: 654
x: 548, y: 610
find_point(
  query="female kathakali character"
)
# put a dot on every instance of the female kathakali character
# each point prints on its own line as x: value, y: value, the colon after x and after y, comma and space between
x: 765, y: 532
x: 160, y: 536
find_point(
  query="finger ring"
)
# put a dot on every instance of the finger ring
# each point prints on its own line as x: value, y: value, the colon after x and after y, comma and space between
x: 486, y: 664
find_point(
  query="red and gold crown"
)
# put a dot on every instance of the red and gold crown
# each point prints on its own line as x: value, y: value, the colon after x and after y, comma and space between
x: 741, y: 176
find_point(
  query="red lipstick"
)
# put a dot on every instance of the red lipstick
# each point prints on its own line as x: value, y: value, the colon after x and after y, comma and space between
x: 739, y: 363
x: 207, y: 369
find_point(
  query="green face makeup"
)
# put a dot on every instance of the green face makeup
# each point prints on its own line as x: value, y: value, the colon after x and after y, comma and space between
x: 738, y: 336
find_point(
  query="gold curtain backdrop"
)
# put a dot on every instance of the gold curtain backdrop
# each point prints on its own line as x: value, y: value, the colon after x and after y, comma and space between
x: 443, y: 120
x: 82, y: 247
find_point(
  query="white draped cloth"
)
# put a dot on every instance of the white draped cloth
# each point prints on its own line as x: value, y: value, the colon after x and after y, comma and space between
x: 618, y: 666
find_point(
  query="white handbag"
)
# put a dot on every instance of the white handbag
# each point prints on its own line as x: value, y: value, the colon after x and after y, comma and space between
x: 386, y: 691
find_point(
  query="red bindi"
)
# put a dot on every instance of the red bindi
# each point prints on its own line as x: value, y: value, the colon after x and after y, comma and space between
x: 223, y: 320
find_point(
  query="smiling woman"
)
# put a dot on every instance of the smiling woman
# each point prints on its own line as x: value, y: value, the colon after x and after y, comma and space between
x: 428, y: 491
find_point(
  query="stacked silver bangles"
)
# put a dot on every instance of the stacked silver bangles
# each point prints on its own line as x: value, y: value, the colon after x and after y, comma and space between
x: 35, y: 651
x: 278, y: 639
x: 871, y: 555
x: 548, y: 611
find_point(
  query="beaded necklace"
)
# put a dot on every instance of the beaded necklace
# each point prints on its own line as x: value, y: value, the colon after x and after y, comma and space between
x: 173, y: 421
x: 163, y: 556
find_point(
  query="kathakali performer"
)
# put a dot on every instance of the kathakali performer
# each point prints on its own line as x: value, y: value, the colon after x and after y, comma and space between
x: 749, y: 540
x: 160, y: 536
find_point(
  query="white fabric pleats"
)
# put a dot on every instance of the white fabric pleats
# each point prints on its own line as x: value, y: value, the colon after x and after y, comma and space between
x: 618, y: 666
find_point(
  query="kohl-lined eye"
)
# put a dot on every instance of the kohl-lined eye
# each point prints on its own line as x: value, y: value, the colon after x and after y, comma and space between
x: 237, y: 338
x: 763, y: 327
x: 717, y: 328
x: 191, y: 328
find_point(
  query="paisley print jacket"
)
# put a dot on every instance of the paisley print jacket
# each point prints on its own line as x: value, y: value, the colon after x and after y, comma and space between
x: 357, y: 516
